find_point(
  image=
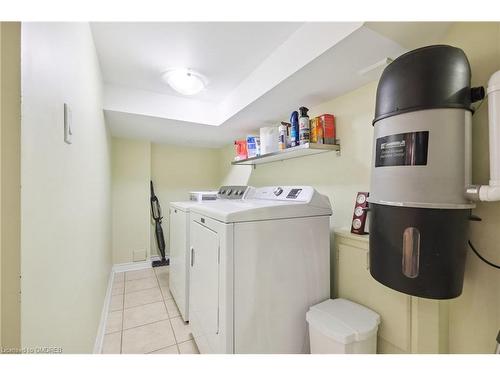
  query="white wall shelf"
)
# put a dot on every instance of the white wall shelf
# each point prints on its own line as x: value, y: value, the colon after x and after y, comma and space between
x: 290, y: 153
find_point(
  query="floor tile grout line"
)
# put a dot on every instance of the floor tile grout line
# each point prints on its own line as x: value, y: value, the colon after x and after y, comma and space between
x: 169, y: 318
x: 123, y: 318
x: 140, y: 290
x: 182, y: 342
x: 110, y: 333
x: 165, y: 347
x: 123, y: 306
x: 139, y: 278
x: 144, y: 304
x: 106, y: 326
x: 180, y: 317
x: 145, y: 324
x: 169, y: 321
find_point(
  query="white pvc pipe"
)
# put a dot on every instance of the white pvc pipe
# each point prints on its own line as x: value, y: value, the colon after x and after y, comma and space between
x: 494, y: 127
x: 491, y: 192
x: 468, y: 148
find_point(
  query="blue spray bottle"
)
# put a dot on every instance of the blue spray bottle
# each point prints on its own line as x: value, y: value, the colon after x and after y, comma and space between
x: 294, y: 129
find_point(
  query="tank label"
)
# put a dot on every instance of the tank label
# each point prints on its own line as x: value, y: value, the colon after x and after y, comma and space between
x: 402, y: 149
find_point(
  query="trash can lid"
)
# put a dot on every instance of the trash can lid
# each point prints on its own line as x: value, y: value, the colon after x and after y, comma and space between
x: 343, y: 320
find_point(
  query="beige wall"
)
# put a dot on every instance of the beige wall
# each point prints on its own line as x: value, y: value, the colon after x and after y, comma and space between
x: 339, y: 177
x: 174, y: 170
x: 232, y: 174
x: 131, y: 174
x: 10, y: 153
x: 408, y: 324
x: 474, y: 317
x: 66, y: 189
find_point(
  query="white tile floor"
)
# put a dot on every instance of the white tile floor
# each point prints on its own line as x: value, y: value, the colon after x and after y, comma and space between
x: 143, y: 317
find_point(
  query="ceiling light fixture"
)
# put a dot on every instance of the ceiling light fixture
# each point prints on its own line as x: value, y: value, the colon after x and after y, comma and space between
x: 184, y: 81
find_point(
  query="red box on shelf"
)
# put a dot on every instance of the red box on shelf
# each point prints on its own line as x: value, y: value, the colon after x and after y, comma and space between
x: 327, y: 122
x: 240, y: 149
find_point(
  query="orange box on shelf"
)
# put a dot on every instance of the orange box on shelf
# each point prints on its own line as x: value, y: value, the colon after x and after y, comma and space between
x: 316, y: 131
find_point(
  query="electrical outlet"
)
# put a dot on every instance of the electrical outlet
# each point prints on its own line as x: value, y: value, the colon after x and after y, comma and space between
x: 67, y: 124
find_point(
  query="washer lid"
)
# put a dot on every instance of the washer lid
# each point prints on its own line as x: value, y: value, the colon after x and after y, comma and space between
x: 187, y: 205
x: 343, y: 320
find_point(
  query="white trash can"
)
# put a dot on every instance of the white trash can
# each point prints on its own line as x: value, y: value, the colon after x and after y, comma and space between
x: 339, y: 326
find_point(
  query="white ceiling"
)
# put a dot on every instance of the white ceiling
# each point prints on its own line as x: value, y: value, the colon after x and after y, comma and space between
x: 135, y: 54
x: 412, y: 35
x: 254, y: 82
x: 331, y: 74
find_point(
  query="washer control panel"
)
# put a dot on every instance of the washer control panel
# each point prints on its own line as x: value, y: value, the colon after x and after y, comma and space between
x: 232, y: 192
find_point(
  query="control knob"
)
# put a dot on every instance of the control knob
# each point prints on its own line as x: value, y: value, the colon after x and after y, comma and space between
x: 278, y: 191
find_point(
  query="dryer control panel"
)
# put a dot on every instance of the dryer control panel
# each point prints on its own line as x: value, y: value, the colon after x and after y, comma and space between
x: 282, y: 193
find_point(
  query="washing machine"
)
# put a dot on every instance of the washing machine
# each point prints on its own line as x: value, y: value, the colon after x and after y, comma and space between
x: 258, y: 262
x: 179, y: 246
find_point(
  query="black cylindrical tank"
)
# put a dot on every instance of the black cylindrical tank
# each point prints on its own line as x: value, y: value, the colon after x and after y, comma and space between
x: 420, y: 167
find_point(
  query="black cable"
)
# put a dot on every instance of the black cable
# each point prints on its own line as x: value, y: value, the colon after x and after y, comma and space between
x: 480, y: 257
x: 479, y: 106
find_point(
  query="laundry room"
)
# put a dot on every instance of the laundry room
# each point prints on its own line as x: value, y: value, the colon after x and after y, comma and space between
x: 340, y: 175
x: 250, y: 186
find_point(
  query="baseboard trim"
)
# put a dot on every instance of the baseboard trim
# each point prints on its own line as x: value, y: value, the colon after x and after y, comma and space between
x: 104, y: 314
x: 119, y: 267
x: 132, y: 266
